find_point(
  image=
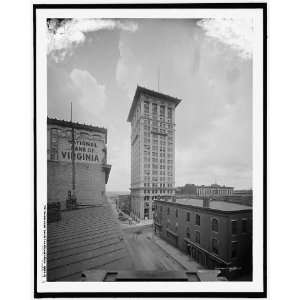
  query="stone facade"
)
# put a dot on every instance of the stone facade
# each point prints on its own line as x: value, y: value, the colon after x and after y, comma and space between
x: 152, y: 118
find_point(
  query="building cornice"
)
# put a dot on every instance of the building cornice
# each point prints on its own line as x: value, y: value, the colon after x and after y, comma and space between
x: 79, y: 126
x: 141, y: 90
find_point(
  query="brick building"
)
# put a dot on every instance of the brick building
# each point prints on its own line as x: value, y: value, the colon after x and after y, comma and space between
x: 91, y: 168
x: 214, y: 233
x: 152, y: 118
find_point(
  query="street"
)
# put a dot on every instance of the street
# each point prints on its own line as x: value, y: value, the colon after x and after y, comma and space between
x: 146, y: 254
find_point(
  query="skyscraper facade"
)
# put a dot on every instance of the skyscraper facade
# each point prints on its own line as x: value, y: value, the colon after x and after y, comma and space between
x: 152, y: 118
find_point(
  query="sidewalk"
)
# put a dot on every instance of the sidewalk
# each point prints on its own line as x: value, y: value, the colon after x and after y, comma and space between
x: 180, y: 257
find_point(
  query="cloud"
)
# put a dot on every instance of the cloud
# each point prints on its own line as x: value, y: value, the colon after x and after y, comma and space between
x: 222, y: 153
x: 237, y: 33
x: 213, y: 121
x: 91, y: 95
x: 63, y: 38
x: 128, y: 70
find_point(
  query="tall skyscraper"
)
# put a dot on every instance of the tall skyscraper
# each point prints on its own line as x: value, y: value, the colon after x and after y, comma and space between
x: 152, y: 118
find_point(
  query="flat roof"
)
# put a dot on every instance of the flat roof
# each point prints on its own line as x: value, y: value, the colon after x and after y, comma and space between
x: 141, y: 90
x: 213, y: 204
x: 83, y: 239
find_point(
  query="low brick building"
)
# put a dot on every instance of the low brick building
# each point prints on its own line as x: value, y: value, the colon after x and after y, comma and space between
x: 214, y: 233
x: 91, y: 168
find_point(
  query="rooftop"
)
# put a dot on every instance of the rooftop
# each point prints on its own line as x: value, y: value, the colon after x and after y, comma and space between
x: 141, y: 90
x: 80, y: 126
x: 85, y: 239
x: 215, y: 185
x: 213, y: 204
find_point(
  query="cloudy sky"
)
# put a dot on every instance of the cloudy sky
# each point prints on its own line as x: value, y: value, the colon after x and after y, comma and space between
x: 207, y: 63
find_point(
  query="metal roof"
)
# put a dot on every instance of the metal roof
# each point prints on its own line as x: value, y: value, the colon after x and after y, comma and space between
x: 85, y: 238
x: 213, y: 204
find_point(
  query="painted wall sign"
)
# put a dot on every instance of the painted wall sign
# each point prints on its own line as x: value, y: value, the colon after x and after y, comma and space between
x: 85, y: 151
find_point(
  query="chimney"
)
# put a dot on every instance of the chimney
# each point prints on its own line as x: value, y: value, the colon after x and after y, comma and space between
x: 206, y: 202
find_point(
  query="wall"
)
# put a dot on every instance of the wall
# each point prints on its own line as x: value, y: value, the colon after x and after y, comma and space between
x: 224, y: 235
x: 90, y: 182
x: 244, y: 240
x: 206, y: 233
x: 90, y: 157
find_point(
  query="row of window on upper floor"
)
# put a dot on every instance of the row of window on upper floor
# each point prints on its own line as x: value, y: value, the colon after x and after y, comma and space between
x: 156, y: 179
x: 158, y: 123
x: 161, y: 160
x: 214, y: 222
x: 162, y: 109
x: 162, y: 141
x: 158, y: 185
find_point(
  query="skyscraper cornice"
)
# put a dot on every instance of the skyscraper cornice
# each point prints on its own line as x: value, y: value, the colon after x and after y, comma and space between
x: 141, y: 90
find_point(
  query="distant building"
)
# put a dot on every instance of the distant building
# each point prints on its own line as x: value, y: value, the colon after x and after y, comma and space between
x: 214, y: 190
x: 245, y: 193
x: 91, y: 170
x: 152, y: 118
x: 244, y: 197
x: 214, y: 233
x: 188, y: 189
x: 124, y: 203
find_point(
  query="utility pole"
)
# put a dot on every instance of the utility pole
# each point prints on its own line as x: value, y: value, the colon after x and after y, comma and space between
x: 73, y: 154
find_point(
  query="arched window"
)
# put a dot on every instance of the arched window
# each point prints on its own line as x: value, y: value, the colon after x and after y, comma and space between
x: 97, y: 137
x: 84, y: 135
x: 215, y: 225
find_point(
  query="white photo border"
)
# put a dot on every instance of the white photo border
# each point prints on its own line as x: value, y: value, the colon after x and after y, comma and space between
x: 255, y: 288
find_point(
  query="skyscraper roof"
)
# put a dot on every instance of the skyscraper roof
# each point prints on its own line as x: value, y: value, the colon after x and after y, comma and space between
x: 141, y: 90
